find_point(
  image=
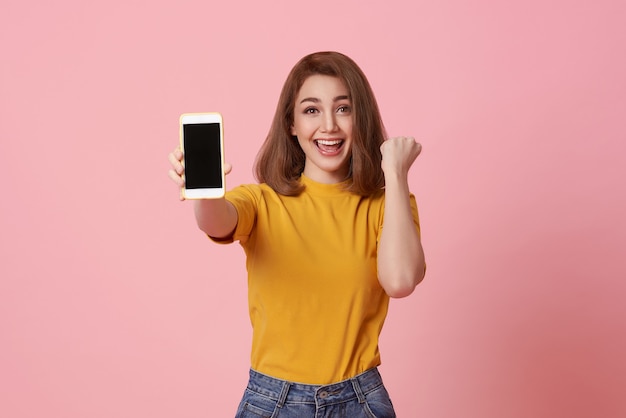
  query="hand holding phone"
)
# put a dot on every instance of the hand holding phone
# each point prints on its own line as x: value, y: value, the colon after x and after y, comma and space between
x: 202, y: 144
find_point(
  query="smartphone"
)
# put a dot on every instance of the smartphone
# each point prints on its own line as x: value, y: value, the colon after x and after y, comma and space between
x: 202, y: 143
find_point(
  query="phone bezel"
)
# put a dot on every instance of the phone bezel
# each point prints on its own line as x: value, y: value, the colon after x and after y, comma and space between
x: 199, y: 118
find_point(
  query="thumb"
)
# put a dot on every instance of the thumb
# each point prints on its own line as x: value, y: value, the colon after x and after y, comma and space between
x: 227, y: 168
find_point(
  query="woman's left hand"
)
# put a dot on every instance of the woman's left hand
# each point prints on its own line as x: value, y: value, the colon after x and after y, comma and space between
x: 400, y: 257
x: 399, y: 153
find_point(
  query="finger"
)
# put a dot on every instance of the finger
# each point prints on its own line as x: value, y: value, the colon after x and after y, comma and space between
x: 228, y: 167
x: 175, y: 162
x: 408, y: 140
x: 176, y: 178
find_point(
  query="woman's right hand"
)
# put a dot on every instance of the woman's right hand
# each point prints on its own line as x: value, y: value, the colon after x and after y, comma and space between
x: 177, y: 171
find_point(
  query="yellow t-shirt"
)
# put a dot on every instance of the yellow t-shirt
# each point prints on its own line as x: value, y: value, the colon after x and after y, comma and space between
x: 315, y: 302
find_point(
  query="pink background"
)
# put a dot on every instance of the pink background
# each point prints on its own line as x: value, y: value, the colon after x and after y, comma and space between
x: 113, y: 304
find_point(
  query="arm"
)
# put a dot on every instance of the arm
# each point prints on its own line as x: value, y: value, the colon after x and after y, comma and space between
x: 400, y: 254
x: 215, y: 217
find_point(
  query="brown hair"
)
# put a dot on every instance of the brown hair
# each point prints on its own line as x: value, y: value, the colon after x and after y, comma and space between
x: 280, y: 161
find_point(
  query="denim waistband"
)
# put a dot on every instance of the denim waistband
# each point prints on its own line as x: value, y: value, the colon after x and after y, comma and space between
x: 289, y: 392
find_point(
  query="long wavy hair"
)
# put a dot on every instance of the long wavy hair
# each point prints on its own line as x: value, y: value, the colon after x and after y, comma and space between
x: 280, y: 161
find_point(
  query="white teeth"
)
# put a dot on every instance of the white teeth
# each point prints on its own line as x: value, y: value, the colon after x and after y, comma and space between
x: 328, y: 142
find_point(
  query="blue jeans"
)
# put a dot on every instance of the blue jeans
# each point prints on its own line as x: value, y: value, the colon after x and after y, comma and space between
x: 363, y: 396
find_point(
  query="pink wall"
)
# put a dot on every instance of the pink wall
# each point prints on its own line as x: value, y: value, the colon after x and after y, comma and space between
x: 112, y: 304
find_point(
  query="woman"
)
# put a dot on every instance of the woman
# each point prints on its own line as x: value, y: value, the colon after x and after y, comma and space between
x: 331, y: 232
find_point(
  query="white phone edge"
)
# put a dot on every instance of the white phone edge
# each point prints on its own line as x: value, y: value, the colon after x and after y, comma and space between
x: 209, y: 117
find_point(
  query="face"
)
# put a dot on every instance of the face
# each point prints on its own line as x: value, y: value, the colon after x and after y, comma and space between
x: 323, y: 124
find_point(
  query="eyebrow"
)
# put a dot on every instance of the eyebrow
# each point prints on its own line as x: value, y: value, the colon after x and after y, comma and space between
x: 316, y: 100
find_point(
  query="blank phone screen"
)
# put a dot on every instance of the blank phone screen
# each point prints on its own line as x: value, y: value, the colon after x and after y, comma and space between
x: 203, y: 162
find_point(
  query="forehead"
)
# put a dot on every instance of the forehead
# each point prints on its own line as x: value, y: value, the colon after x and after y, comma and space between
x: 322, y: 86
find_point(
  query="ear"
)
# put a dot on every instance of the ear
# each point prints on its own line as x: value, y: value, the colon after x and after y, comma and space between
x: 293, y: 130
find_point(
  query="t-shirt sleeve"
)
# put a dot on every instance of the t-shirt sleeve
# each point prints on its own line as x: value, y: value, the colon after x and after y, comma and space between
x: 245, y: 199
x: 416, y: 218
x: 414, y: 211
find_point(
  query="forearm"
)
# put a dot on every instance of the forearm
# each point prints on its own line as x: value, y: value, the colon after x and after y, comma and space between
x: 215, y: 217
x: 400, y: 254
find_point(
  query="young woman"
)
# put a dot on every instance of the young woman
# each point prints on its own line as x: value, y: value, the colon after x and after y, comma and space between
x: 331, y: 232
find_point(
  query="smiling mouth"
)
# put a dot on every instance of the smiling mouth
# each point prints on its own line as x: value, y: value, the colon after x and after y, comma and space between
x: 328, y: 146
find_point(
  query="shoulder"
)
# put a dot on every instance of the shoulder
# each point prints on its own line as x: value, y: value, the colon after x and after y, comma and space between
x: 254, y: 192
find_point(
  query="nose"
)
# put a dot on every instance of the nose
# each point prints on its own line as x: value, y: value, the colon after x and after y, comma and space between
x: 329, y: 124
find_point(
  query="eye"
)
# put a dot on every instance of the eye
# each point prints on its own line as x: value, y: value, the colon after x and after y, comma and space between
x: 311, y: 110
x: 344, y: 109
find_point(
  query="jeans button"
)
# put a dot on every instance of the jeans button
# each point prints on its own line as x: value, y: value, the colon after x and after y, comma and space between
x: 323, y: 395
